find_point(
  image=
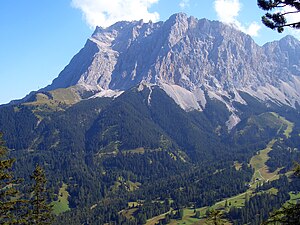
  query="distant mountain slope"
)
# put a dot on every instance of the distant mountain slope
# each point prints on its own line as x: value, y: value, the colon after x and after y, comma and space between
x: 197, y: 55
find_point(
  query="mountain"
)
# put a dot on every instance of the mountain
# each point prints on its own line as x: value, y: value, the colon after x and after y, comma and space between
x: 153, y: 117
x: 187, y: 58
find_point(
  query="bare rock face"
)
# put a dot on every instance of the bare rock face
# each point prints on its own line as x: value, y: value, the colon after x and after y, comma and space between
x: 187, y: 57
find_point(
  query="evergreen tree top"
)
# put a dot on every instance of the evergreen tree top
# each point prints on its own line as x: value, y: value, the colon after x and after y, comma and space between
x: 278, y: 19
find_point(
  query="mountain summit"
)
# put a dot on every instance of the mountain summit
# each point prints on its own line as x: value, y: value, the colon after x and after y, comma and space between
x: 190, y: 59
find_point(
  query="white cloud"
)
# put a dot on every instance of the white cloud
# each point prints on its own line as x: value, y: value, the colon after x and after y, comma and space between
x: 228, y: 11
x: 184, y: 3
x: 106, y: 12
x: 253, y: 29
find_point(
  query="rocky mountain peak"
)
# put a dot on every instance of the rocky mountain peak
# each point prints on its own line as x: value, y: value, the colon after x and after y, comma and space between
x: 289, y: 40
x: 188, y: 57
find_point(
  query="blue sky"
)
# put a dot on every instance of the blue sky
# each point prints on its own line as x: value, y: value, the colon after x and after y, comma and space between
x: 39, y: 38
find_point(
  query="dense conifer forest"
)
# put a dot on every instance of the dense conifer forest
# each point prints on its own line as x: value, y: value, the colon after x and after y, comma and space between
x: 123, y: 155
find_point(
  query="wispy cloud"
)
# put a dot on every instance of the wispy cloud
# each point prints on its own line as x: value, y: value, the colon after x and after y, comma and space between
x: 184, y: 3
x: 228, y: 12
x: 106, y: 12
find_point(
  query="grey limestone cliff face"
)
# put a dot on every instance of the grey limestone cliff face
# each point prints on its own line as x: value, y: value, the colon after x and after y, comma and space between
x: 286, y: 53
x: 185, y: 55
x: 77, y: 68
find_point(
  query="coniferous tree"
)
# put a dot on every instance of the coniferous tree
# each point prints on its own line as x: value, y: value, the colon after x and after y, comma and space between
x: 278, y: 19
x: 40, y: 212
x: 10, y: 202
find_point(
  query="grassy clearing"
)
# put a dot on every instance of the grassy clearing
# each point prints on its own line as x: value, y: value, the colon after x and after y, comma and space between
x: 62, y: 204
x: 135, y: 151
x: 66, y: 95
x: 54, y: 99
x: 294, y: 197
x: 188, y: 213
x: 289, y: 126
x: 134, y: 204
x: 189, y: 217
x: 111, y: 149
x: 289, y: 129
x: 128, y: 213
x: 236, y: 201
x: 127, y: 184
x: 131, y: 209
x: 270, y: 176
x: 156, y: 219
x: 258, y: 163
x: 239, y: 200
x: 132, y: 186
x: 273, y: 191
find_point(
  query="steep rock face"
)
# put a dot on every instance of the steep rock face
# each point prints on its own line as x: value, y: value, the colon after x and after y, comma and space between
x: 78, y: 67
x: 286, y: 53
x: 190, y: 59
